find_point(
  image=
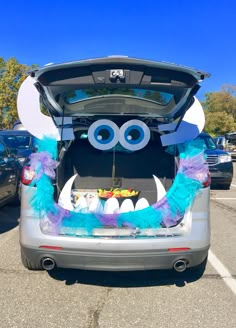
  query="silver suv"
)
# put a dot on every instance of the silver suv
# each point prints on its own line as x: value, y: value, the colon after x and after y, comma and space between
x: 119, y: 181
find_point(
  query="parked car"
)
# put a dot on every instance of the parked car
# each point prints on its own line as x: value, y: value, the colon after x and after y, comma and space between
x: 19, y: 142
x: 227, y: 143
x: 9, y: 177
x: 220, y: 163
x: 110, y: 114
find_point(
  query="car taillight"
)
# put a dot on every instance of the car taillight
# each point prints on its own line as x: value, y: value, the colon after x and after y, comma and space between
x: 179, y: 249
x: 55, y: 248
x: 207, y: 182
x: 27, y: 175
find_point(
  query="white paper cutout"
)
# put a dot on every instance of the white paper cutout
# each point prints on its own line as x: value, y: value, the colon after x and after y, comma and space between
x: 189, y: 128
x: 65, y: 195
x: 96, y: 140
x: 30, y: 115
x: 139, y: 143
x: 161, y: 192
x: 141, y: 204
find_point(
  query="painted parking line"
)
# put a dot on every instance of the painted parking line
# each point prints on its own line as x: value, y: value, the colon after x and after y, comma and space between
x: 222, y: 271
x: 223, y: 198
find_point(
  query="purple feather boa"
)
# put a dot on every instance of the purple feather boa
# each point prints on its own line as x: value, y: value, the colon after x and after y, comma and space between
x: 42, y: 163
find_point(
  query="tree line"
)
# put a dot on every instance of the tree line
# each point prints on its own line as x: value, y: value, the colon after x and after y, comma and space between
x: 219, y: 107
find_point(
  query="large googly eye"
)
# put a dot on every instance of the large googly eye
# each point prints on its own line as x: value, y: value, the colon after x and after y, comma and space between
x: 103, y: 134
x: 134, y: 135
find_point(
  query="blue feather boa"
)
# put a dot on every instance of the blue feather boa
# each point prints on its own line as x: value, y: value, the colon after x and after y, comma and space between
x: 192, y: 172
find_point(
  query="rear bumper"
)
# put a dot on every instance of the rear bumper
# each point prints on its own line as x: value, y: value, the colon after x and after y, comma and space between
x: 121, y: 254
x: 119, y: 261
x: 114, y: 254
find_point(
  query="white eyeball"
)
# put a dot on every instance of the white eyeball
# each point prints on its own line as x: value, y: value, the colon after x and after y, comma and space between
x: 134, y: 135
x: 103, y: 134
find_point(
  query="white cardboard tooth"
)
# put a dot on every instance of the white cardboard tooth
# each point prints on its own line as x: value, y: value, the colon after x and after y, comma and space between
x: 111, y: 206
x: 96, y: 206
x: 65, y: 195
x: 127, y: 206
x: 161, y: 192
x: 141, y: 204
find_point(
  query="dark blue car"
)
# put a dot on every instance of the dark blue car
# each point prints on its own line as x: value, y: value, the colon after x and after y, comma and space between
x: 10, y: 171
x: 19, y: 142
x: 219, y: 162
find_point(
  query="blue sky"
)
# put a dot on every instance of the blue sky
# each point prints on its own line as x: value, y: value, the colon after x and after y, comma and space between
x: 200, y: 34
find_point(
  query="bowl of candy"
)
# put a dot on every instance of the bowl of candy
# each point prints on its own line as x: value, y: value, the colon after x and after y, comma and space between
x: 119, y: 194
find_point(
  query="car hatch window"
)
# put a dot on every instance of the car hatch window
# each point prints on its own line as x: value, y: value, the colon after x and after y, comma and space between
x: 162, y: 98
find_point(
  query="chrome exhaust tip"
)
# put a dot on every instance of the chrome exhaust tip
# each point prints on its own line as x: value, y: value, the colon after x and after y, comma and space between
x: 180, y: 265
x: 48, y: 263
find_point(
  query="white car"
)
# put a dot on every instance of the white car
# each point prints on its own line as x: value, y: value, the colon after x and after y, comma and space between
x: 119, y: 181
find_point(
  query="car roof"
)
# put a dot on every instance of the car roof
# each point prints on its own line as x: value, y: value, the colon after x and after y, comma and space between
x: 14, y: 132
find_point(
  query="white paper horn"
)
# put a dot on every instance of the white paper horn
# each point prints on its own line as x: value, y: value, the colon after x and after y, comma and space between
x: 30, y: 115
x: 161, y: 192
x: 65, y: 195
x: 191, y: 125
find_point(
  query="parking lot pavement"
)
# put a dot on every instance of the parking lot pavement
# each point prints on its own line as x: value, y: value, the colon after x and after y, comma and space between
x: 223, y: 232
x: 226, y: 198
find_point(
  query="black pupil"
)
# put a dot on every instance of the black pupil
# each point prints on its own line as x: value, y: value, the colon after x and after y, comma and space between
x: 105, y: 134
x: 135, y: 134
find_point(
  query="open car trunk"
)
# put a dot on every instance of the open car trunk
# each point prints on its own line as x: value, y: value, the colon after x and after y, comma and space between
x: 143, y: 104
x: 117, y: 168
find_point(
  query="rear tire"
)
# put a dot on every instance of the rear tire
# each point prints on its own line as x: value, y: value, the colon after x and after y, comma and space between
x: 29, y: 264
x: 199, y: 269
x: 226, y: 186
x: 16, y: 200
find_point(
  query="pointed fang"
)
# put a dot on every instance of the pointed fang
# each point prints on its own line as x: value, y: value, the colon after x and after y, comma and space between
x: 161, y: 192
x: 65, y: 195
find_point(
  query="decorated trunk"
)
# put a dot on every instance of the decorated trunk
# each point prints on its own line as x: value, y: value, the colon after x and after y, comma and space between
x: 119, y: 180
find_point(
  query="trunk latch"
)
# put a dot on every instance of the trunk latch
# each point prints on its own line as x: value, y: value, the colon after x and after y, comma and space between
x: 117, y: 74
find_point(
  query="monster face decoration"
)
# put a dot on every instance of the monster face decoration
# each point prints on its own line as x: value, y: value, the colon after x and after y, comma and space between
x: 106, y: 135
x: 166, y: 212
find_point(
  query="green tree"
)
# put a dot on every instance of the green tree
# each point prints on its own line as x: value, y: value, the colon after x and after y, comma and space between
x: 222, y: 101
x: 219, y: 123
x: 220, y: 110
x: 12, y: 74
